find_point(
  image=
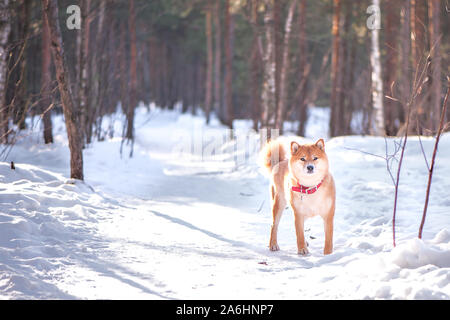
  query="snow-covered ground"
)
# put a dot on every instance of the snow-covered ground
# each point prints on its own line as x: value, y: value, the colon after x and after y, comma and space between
x: 188, y: 217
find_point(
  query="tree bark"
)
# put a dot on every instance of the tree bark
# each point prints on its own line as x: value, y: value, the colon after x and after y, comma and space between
x: 71, y: 115
x: 46, y: 81
x: 209, y: 64
x: 285, y: 65
x: 5, y: 30
x: 377, y: 83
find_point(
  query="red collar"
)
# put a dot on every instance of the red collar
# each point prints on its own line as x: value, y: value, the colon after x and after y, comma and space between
x: 307, y: 190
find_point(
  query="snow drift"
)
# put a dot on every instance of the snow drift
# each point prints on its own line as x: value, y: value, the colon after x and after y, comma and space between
x: 170, y: 223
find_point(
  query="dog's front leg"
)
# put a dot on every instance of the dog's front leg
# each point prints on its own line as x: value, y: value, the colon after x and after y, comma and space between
x: 328, y: 225
x: 299, y: 229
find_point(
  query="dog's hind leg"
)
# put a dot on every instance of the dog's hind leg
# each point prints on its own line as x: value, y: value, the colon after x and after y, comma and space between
x: 278, y: 204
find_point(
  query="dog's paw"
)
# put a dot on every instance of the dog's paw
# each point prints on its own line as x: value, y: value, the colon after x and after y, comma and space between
x: 274, y: 247
x: 303, y: 251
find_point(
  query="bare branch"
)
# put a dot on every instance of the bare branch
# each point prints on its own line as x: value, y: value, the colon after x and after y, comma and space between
x: 433, y: 159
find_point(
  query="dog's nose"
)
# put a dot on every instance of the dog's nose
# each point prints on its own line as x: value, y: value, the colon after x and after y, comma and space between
x: 310, y: 167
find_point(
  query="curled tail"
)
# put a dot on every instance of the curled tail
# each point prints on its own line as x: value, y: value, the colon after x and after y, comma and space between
x: 272, y: 153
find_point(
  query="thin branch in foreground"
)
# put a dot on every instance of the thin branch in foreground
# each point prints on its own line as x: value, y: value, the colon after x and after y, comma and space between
x: 433, y: 159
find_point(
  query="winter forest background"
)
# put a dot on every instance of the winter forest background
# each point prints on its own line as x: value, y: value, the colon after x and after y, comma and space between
x: 106, y: 89
x: 261, y: 60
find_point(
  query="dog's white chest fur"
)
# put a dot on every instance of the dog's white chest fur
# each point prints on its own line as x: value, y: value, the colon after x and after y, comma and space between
x: 310, y: 205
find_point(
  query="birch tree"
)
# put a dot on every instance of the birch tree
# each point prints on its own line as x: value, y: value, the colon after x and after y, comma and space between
x: 375, y: 62
x: 268, y: 88
x: 83, y: 92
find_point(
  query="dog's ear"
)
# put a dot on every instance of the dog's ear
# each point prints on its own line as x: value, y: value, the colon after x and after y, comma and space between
x: 294, y: 147
x: 321, y: 144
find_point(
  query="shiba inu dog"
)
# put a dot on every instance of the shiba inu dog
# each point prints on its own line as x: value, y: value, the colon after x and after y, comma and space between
x: 303, y: 180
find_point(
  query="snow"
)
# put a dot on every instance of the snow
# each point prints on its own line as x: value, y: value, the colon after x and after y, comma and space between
x: 177, y: 221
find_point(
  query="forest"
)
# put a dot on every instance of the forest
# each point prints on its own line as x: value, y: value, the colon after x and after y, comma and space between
x: 375, y: 64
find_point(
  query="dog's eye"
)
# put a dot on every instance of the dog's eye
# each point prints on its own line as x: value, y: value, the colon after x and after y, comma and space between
x: 315, y: 158
x: 303, y: 159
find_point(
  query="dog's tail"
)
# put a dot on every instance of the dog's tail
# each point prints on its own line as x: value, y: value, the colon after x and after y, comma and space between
x: 272, y: 153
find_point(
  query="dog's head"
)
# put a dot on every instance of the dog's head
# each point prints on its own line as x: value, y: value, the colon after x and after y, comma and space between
x: 309, y: 162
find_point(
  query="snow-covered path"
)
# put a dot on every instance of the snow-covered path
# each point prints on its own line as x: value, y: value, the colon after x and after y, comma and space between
x: 171, y: 225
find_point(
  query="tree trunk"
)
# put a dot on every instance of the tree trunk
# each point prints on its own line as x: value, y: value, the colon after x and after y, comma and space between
x: 405, y: 55
x: 100, y: 82
x: 5, y: 29
x: 285, y: 66
x: 303, y: 50
x: 155, y: 67
x: 268, y: 95
x: 209, y: 65
x: 133, y: 73
x: 123, y: 74
x: 346, y: 72
x: 218, y: 61
x: 335, y: 62
x: 71, y: 116
x: 377, y: 83
x: 83, y: 93
x: 419, y: 48
x: 277, y: 49
x: 228, y: 66
x: 390, y: 75
x: 255, y: 66
x: 193, y: 87
x: 21, y: 85
x: 434, y: 13
x: 46, y: 82
x: 163, y: 74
